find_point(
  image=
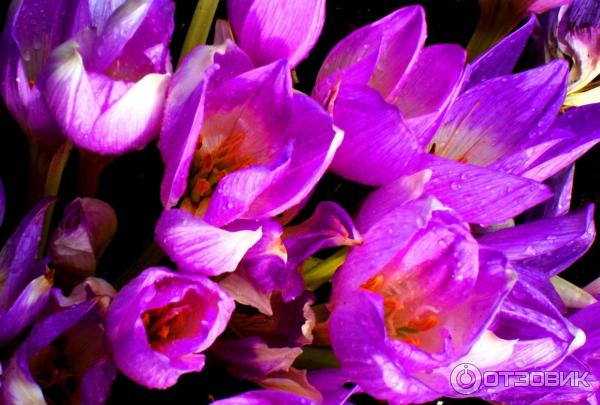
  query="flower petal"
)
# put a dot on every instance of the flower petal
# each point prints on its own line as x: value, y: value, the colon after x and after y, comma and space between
x: 266, y: 397
x: 378, y: 146
x: 196, y: 246
x: 480, y: 195
x: 501, y: 59
x: 18, y: 254
x: 550, y: 245
x: 315, y: 142
x: 270, y: 30
x: 427, y: 90
x: 377, y: 54
x: 499, y: 116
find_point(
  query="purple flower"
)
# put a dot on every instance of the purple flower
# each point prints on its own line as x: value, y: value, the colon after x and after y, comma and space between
x: 160, y: 322
x: 99, y: 75
x: 65, y: 357
x: 271, y: 30
x: 573, y: 32
x: 413, y: 299
x: 388, y: 93
x: 26, y: 282
x: 85, y: 230
x: 238, y: 144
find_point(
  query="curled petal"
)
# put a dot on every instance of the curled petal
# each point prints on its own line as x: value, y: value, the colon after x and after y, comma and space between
x: 196, y: 246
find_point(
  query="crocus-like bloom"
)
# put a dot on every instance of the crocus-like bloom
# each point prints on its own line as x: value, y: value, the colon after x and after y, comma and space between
x: 573, y: 32
x: 387, y: 91
x: 498, y: 140
x: 238, y: 144
x: 85, y: 230
x: 424, y: 296
x: 269, y: 30
x: 160, y: 322
x: 65, y: 358
x: 26, y: 282
x: 419, y: 292
x: 105, y: 86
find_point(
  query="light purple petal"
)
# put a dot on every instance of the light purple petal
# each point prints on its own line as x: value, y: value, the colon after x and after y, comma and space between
x: 18, y: 254
x: 270, y: 30
x: 378, y: 146
x: 184, y: 113
x: 315, y: 143
x: 196, y: 246
x: 377, y: 54
x: 501, y: 59
x: 241, y: 287
x: 359, y: 341
x: 539, y: 6
x: 236, y: 193
x: 29, y: 304
x: 561, y: 185
x: 95, y: 386
x: 550, y: 245
x: 500, y: 116
x: 579, y: 130
x: 481, y: 195
x: 429, y: 87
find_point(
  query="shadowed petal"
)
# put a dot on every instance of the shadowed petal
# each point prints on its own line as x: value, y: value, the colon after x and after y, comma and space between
x: 266, y: 397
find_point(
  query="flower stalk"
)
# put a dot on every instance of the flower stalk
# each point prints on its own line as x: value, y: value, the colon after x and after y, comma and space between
x: 200, y: 26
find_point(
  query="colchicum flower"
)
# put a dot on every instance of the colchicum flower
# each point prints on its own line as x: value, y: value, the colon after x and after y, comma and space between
x: 65, y: 358
x: 99, y: 75
x: 388, y: 93
x: 161, y: 321
x: 419, y: 294
x: 573, y: 33
x: 238, y: 144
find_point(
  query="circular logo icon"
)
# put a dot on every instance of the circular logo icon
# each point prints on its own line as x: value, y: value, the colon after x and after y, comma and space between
x: 465, y: 378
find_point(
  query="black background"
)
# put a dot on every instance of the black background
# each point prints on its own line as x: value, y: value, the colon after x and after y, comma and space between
x: 131, y: 183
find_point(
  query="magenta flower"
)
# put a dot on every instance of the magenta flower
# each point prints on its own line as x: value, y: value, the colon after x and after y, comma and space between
x: 238, y: 144
x: 271, y: 30
x: 98, y: 76
x: 160, y: 322
x: 26, y: 282
x: 388, y: 93
x: 65, y: 357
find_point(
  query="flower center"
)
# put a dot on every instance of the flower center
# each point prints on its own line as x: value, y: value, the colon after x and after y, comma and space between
x: 166, y: 323
x: 403, y: 320
x: 210, y: 166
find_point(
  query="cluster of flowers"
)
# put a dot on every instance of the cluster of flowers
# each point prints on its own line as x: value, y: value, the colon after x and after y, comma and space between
x: 431, y: 272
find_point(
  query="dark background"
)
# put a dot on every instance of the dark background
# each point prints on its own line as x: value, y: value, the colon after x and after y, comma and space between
x: 131, y: 183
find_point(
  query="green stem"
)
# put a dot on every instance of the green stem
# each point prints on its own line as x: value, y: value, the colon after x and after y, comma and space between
x: 319, y: 274
x: 200, y: 26
x: 55, y: 174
